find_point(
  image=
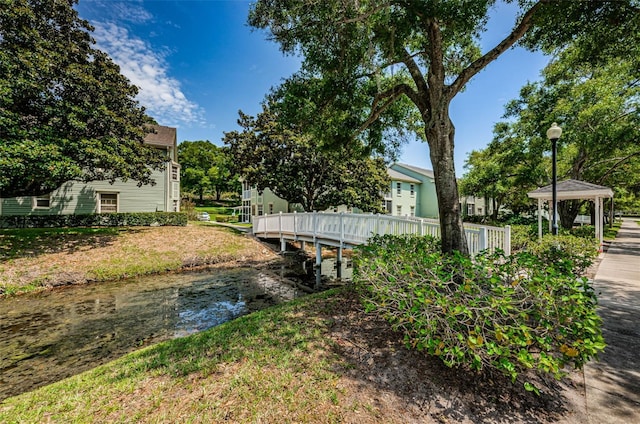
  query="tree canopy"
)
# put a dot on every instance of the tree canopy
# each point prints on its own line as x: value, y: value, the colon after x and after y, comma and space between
x: 293, y: 164
x: 205, y: 168
x: 66, y: 112
x: 434, y: 47
x: 597, y: 103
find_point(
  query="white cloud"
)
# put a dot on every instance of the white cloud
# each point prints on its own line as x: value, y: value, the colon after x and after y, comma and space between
x: 148, y: 70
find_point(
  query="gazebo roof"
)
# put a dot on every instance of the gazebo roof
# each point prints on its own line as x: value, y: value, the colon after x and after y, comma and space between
x: 572, y: 189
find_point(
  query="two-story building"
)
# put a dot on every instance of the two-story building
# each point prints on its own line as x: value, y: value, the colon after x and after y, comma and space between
x: 411, y: 193
x: 101, y: 197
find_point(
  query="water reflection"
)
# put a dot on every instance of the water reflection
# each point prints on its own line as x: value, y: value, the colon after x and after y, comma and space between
x: 328, y: 274
x: 49, y: 336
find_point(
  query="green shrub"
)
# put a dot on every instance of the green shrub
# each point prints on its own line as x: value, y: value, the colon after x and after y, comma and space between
x: 522, y: 235
x: 584, y: 231
x: 567, y: 252
x: 510, y: 313
x: 95, y: 220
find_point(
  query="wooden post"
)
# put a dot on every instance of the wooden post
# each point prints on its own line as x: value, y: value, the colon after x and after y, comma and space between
x: 539, y: 219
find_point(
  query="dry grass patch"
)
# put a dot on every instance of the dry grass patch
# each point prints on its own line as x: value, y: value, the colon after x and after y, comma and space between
x: 59, y: 258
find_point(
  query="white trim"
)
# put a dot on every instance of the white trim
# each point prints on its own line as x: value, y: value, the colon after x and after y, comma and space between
x: 567, y: 195
x: 100, y: 193
x: 35, y: 201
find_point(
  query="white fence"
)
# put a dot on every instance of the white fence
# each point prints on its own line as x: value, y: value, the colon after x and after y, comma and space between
x: 343, y: 230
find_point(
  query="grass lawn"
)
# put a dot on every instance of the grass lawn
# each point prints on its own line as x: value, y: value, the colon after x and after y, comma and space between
x: 272, y: 366
x: 319, y: 359
x: 33, y: 259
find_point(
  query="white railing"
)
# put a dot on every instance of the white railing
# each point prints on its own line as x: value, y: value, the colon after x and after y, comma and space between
x: 356, y: 229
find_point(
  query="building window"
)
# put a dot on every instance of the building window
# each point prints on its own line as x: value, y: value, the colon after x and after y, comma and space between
x: 270, y: 208
x: 399, y: 210
x: 108, y: 202
x: 470, y: 209
x: 255, y: 211
x: 398, y: 189
x: 260, y: 210
x: 42, y: 202
x: 413, y: 189
x: 175, y: 174
x: 175, y: 190
x: 412, y: 211
x: 388, y: 207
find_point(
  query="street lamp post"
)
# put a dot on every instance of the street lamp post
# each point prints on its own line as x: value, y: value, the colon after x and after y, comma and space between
x: 554, y: 134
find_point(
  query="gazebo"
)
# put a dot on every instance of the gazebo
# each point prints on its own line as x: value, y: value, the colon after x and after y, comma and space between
x: 574, y: 189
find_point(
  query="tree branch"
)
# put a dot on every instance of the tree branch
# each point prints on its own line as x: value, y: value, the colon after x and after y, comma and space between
x: 389, y: 96
x: 416, y: 74
x: 479, y: 64
x: 615, y: 165
x: 366, y: 16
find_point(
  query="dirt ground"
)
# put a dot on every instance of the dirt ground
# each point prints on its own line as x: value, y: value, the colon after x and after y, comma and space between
x: 65, y: 260
x: 407, y: 386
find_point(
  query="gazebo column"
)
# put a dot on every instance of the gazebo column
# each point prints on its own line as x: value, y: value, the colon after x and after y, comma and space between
x: 539, y: 219
x: 599, y: 221
x: 551, y: 211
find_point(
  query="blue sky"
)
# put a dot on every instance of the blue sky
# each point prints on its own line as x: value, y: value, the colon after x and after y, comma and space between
x: 197, y: 63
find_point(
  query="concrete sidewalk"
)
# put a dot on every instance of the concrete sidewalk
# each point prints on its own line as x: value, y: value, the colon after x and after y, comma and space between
x: 613, y: 384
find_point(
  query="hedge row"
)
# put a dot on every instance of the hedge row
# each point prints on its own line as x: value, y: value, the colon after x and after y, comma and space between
x: 95, y: 220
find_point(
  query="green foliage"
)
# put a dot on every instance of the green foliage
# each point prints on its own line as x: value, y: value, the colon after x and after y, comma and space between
x: 95, y: 220
x: 522, y: 235
x: 66, y: 112
x: 206, y: 168
x: 509, y: 313
x: 568, y: 253
x: 296, y: 167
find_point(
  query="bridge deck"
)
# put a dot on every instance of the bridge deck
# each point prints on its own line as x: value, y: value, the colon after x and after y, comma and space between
x: 349, y: 230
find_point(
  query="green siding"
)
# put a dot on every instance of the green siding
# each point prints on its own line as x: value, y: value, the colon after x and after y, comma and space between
x: 405, y: 200
x: 427, y: 201
x: 79, y: 198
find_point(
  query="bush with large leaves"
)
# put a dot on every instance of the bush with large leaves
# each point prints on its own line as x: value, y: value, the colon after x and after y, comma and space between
x: 510, y: 313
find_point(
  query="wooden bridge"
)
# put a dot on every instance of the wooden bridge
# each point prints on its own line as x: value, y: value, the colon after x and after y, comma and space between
x: 343, y: 230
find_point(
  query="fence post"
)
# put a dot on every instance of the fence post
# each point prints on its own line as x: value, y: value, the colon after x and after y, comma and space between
x: 482, y: 239
x: 295, y: 227
x: 315, y: 225
x: 507, y: 240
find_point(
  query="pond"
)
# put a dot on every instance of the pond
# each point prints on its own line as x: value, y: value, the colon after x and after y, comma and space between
x: 48, y: 336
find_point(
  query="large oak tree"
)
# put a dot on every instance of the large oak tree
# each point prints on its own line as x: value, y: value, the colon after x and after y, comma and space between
x: 435, y: 42
x: 270, y: 154
x: 66, y: 112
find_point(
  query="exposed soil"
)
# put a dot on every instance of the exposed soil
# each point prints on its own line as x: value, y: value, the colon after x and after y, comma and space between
x: 65, y: 261
x: 407, y: 386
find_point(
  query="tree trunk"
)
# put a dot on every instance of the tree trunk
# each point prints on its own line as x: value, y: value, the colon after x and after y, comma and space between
x: 568, y: 211
x: 440, y: 136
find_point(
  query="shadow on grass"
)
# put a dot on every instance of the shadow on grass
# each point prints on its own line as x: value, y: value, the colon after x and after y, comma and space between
x: 33, y: 242
x: 368, y: 357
